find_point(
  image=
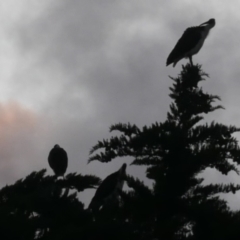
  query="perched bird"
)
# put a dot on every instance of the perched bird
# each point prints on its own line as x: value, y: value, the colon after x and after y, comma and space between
x: 110, y: 187
x: 58, y: 160
x: 190, y: 43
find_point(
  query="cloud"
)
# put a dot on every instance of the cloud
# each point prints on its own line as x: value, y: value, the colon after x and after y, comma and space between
x: 21, y: 131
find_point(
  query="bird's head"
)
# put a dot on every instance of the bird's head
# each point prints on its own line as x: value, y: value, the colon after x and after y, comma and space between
x: 123, y: 169
x: 124, y: 166
x: 56, y: 146
x: 210, y: 23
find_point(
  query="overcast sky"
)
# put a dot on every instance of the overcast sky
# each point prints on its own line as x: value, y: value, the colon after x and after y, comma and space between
x: 70, y: 69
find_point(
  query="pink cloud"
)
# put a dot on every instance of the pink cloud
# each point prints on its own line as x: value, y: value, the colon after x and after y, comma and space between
x: 20, y: 132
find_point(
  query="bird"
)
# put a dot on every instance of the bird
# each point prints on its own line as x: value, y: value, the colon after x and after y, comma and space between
x: 110, y: 188
x: 58, y: 160
x: 190, y: 43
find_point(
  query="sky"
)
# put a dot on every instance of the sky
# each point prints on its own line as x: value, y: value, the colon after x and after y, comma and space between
x: 71, y: 69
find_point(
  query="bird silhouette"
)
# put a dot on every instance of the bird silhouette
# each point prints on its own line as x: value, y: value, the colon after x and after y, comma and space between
x: 190, y: 43
x: 110, y: 188
x: 58, y: 160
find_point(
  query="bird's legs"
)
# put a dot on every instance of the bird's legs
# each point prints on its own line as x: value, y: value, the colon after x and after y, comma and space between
x: 190, y: 59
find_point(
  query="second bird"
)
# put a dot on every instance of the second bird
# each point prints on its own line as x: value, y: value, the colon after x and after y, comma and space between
x: 58, y: 160
x: 109, y: 189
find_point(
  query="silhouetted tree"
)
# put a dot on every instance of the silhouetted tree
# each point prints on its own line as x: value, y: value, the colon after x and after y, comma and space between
x: 42, y: 208
x: 175, y: 152
x: 177, y: 206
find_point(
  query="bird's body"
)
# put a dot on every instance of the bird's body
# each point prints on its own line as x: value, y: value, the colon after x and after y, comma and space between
x: 58, y: 160
x: 190, y: 43
x: 109, y: 188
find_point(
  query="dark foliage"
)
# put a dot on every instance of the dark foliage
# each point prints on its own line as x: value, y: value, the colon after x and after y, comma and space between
x: 174, y: 153
x: 40, y: 206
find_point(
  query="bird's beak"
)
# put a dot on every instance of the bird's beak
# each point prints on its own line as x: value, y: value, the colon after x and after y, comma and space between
x: 204, y: 23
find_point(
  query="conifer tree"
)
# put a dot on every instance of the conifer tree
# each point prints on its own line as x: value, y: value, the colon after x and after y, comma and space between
x: 177, y: 206
x: 175, y: 152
